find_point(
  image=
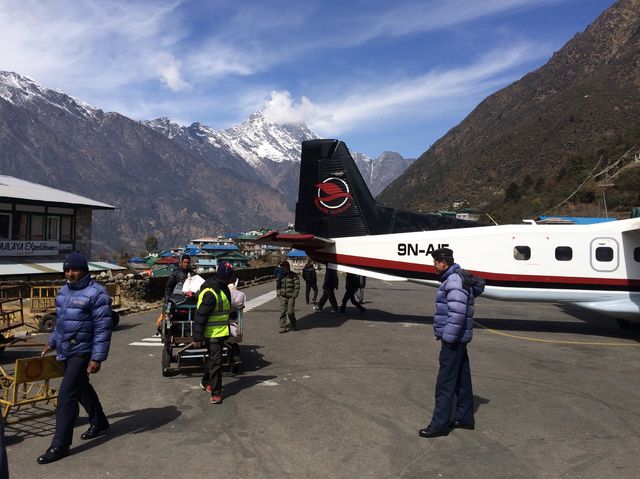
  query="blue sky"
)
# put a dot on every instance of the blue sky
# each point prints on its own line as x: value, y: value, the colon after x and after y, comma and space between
x: 380, y: 75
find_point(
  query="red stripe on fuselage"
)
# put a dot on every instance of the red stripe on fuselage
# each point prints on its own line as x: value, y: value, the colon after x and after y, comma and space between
x: 378, y: 264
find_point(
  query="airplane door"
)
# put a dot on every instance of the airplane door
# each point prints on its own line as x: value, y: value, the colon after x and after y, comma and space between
x: 604, y: 254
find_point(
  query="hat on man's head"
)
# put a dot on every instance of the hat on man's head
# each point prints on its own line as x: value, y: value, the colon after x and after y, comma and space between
x: 225, y: 272
x: 442, y: 253
x: 75, y: 260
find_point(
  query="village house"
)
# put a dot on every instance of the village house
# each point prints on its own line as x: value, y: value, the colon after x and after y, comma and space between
x: 39, y: 226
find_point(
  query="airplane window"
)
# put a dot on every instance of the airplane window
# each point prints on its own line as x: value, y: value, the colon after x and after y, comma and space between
x: 522, y: 253
x: 604, y: 254
x: 564, y: 253
x: 636, y: 254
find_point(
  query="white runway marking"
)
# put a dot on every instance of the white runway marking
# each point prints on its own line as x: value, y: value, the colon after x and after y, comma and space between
x: 259, y: 301
x: 248, y: 306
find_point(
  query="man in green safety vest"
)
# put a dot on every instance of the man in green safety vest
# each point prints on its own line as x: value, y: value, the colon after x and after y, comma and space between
x: 211, y: 327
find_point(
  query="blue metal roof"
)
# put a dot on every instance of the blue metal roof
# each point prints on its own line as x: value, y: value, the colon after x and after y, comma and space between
x: 220, y: 247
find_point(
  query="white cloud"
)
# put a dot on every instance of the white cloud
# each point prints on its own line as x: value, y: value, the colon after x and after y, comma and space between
x: 427, y: 93
x: 405, y: 18
x: 169, y: 70
x: 117, y: 54
x: 280, y: 109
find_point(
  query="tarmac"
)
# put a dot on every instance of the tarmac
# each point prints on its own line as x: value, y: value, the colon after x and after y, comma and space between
x: 556, y: 393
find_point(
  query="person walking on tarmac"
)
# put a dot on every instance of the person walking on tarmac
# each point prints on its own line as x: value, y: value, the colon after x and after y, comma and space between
x: 311, y: 281
x: 211, y: 327
x: 288, y: 292
x: 352, y: 284
x: 81, y: 338
x: 179, y: 275
x: 453, y: 327
x: 328, y: 286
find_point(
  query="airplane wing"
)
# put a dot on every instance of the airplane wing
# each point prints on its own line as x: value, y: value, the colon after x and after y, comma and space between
x: 298, y: 241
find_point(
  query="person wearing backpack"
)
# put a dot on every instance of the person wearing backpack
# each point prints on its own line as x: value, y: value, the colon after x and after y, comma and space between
x: 453, y: 327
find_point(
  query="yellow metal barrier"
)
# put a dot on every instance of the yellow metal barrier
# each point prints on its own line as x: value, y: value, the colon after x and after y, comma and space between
x: 29, y: 385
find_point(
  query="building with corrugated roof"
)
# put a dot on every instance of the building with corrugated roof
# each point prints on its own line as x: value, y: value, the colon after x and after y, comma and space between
x: 40, y: 225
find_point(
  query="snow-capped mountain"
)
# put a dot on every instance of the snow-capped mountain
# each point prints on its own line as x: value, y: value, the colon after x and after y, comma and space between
x: 22, y: 90
x: 273, y: 151
x: 171, y: 181
x: 159, y: 186
x: 383, y: 170
x: 256, y: 147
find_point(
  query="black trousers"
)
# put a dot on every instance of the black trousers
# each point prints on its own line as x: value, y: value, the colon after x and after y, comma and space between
x: 350, y: 295
x: 311, y: 286
x: 454, y: 378
x: 213, y: 367
x: 75, y: 389
x: 331, y: 296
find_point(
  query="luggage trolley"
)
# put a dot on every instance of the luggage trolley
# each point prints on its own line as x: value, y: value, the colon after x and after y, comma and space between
x: 177, y: 336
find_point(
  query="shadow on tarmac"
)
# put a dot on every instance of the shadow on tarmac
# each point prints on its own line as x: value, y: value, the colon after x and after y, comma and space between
x: 327, y: 319
x: 586, y: 326
x: 132, y: 422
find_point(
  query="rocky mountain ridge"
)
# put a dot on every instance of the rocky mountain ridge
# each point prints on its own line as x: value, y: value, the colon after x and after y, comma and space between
x: 166, y: 180
x: 526, y: 147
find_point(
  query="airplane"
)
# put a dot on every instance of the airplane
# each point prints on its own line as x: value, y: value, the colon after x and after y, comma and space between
x: 592, y: 266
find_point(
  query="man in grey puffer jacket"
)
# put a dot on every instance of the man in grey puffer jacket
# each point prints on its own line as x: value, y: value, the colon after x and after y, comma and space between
x: 453, y: 327
x: 288, y: 289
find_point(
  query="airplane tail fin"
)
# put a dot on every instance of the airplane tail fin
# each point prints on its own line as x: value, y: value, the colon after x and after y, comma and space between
x: 334, y: 200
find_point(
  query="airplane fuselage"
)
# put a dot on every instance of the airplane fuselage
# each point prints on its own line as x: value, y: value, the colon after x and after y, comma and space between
x: 593, y: 266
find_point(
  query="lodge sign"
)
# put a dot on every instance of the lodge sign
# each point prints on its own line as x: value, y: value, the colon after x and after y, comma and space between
x: 29, y: 248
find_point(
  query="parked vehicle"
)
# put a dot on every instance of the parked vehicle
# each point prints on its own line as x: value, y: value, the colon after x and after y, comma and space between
x: 43, y: 305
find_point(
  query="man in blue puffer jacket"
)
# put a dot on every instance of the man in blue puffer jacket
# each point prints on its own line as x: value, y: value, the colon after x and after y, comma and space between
x: 453, y: 327
x: 81, y: 338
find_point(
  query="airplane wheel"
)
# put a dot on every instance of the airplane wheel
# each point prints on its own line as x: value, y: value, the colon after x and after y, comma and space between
x: 47, y: 323
x: 626, y: 325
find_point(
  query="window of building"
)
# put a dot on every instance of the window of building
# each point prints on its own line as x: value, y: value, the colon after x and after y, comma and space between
x: 636, y: 254
x: 564, y: 253
x: 66, y: 228
x: 53, y: 228
x: 21, y: 227
x: 522, y: 253
x: 604, y: 254
x: 5, y: 226
x: 37, y: 227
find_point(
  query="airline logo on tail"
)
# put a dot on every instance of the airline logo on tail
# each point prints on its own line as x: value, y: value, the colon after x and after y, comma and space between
x: 333, y: 196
